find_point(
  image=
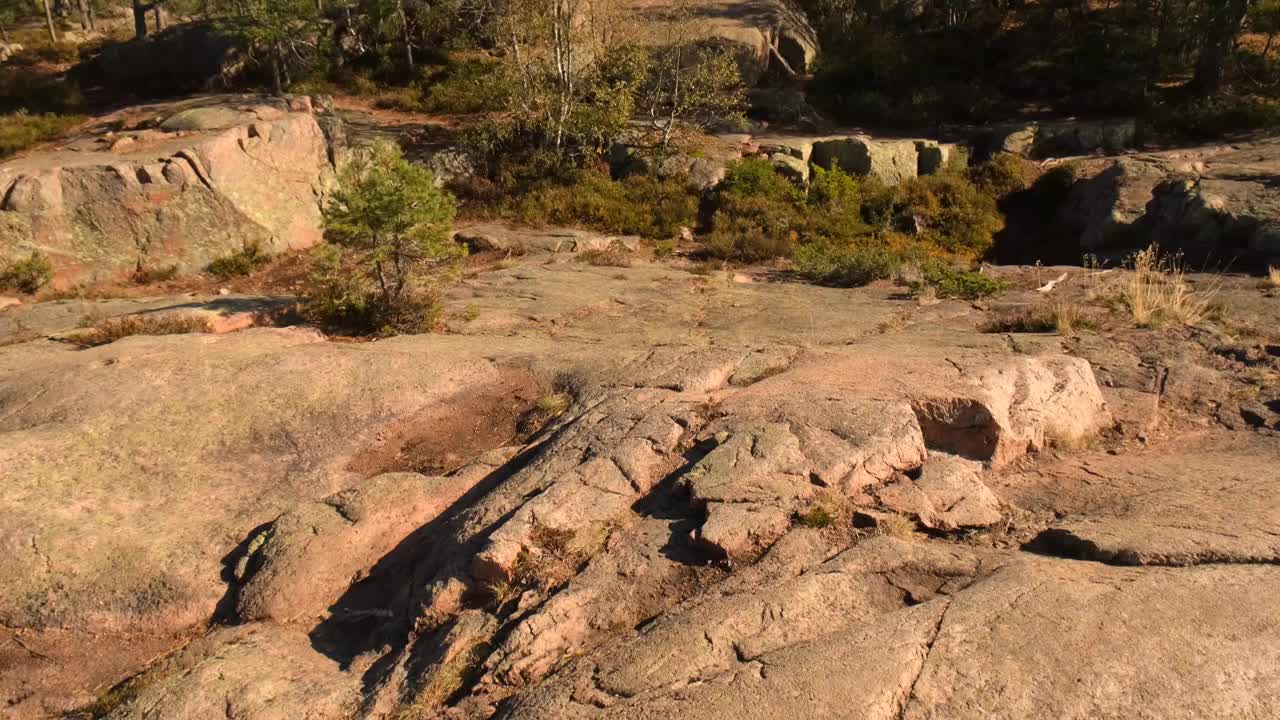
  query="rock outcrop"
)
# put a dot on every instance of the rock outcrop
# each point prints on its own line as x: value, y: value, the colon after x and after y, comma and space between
x: 1216, y: 201
x: 211, y: 176
x: 638, y: 492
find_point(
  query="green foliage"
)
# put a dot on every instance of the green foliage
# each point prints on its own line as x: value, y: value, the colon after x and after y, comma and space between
x: 691, y: 82
x: 949, y: 212
x: 635, y: 205
x: 239, y: 263
x: 390, y: 249
x: 849, y: 265
x: 1001, y: 176
x: 468, y: 86
x: 20, y: 130
x: 977, y: 62
x: 1204, y: 118
x: 950, y: 281
x: 756, y: 177
x: 760, y: 215
x: 27, y: 274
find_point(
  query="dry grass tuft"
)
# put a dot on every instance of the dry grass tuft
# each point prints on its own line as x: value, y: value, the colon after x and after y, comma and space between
x: 109, y: 330
x: 1157, y: 291
x: 616, y: 255
x: 1273, y: 276
x: 828, y: 509
x: 445, y: 680
x: 895, y: 525
x: 1068, y: 317
x: 551, y: 559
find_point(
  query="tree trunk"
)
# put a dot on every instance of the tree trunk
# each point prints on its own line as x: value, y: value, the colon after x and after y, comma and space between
x: 86, y: 16
x: 408, y: 43
x: 48, y: 16
x: 277, y: 84
x: 139, y: 19
x: 159, y: 24
x: 1220, y: 26
x: 4, y: 34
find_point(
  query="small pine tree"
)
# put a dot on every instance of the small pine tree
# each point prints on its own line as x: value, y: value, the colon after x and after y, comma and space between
x: 390, y: 248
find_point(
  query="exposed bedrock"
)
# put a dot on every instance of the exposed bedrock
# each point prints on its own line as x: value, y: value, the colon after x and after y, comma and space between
x: 201, y: 180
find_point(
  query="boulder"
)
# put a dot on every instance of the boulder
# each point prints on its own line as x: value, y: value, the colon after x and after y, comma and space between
x: 892, y: 161
x: 792, y: 167
x: 1209, y: 202
x: 306, y: 559
x: 1058, y: 138
x: 220, y: 173
x: 450, y: 164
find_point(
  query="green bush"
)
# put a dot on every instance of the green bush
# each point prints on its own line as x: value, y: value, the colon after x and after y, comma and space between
x: 389, y: 252
x: 950, y: 213
x: 1001, y: 176
x: 636, y: 205
x: 467, y: 87
x: 752, y: 228
x: 847, y: 265
x: 756, y: 177
x: 20, y: 130
x: 1205, y: 118
x: 951, y: 281
x: 239, y: 263
x: 28, y: 274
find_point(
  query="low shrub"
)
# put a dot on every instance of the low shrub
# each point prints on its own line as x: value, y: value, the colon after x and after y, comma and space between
x: 242, y: 262
x: 1205, y: 118
x: 107, y: 331
x: 389, y: 252
x: 950, y: 281
x: 760, y: 215
x: 756, y: 177
x: 848, y: 265
x: 616, y: 255
x: 636, y: 205
x: 148, y: 276
x: 948, y: 212
x: 28, y: 274
x: 467, y: 87
x: 21, y: 130
x: 1002, y: 175
x: 752, y: 228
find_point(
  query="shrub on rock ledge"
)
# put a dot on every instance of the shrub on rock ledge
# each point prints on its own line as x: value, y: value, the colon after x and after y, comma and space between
x: 389, y: 249
x: 28, y: 274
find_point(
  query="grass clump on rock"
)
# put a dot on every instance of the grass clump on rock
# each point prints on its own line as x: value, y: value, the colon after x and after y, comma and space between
x: 389, y: 250
x: 27, y: 274
x: 109, y: 330
x: 239, y: 263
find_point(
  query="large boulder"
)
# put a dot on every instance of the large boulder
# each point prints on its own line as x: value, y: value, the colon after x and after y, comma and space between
x: 216, y: 175
x: 1212, y: 201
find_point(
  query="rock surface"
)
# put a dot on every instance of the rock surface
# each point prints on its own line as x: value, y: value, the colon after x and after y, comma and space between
x: 1215, y: 201
x: 214, y: 175
x: 640, y: 492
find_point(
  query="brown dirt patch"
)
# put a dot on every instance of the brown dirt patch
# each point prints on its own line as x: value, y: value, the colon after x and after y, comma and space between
x: 447, y: 435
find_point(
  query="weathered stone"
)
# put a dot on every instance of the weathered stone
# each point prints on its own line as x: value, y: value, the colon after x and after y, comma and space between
x: 791, y: 167
x: 183, y: 200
